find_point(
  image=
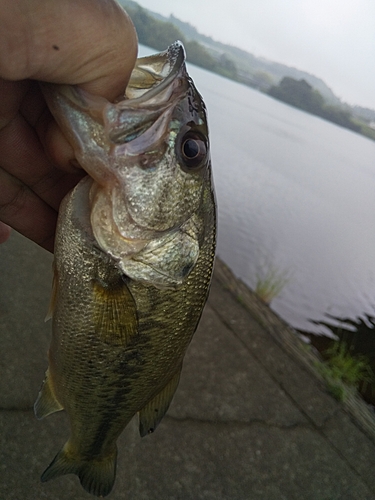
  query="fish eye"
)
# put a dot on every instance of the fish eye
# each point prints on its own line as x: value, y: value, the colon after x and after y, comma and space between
x: 193, y: 150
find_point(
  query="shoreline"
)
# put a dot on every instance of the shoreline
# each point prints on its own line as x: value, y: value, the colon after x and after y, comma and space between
x: 287, y: 337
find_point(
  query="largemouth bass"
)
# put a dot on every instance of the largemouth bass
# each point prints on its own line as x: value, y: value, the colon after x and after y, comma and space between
x: 134, y: 254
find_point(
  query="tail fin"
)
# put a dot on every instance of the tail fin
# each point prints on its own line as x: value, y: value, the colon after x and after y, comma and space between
x: 97, y: 476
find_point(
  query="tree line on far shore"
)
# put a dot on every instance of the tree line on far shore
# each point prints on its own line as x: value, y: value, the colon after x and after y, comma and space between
x: 301, y: 94
x: 160, y: 34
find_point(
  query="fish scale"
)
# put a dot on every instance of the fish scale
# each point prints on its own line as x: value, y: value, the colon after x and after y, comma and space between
x: 130, y: 277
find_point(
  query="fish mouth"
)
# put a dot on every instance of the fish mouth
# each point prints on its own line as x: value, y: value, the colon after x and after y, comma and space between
x: 154, y: 74
x: 153, y: 82
x: 97, y: 128
x: 157, y: 82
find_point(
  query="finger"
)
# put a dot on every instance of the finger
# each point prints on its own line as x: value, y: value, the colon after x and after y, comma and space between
x: 55, y: 144
x: 11, y: 95
x: 58, y: 150
x: 26, y: 212
x: 22, y: 156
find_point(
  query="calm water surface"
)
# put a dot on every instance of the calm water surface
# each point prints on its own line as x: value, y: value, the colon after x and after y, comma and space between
x: 296, y: 196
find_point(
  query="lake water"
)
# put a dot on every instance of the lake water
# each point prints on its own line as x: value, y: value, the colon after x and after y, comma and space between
x: 296, y: 197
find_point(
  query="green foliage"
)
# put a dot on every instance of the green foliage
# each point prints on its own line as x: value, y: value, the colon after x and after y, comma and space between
x: 270, y: 283
x: 339, y: 116
x: 262, y: 80
x: 197, y: 54
x: 351, y: 369
x: 160, y: 34
x: 301, y: 94
x: 227, y: 67
x: 150, y: 31
x: 366, y: 130
x: 298, y: 93
x: 157, y: 32
x: 342, y: 370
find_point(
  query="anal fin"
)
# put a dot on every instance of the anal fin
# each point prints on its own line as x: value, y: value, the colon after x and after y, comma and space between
x: 46, y: 402
x: 151, y: 415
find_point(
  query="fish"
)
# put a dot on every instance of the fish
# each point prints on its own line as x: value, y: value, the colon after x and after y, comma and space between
x: 134, y: 254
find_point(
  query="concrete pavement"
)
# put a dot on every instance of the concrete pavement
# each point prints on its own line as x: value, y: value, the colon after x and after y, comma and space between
x: 250, y: 420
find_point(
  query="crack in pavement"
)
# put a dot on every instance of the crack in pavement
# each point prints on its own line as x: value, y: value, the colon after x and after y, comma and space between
x: 239, y: 423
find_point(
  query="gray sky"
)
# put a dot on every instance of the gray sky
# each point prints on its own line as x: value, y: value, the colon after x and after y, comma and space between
x: 333, y: 39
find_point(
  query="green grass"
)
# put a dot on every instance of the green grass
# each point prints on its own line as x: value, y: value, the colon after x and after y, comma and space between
x: 269, y: 284
x: 344, y: 371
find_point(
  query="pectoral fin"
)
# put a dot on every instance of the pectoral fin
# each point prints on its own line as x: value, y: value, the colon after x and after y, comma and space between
x: 115, y: 313
x: 46, y: 402
x: 151, y: 415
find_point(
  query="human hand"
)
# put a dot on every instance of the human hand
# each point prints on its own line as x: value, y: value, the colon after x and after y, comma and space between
x: 90, y: 43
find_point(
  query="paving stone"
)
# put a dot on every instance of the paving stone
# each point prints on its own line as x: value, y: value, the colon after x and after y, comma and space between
x: 206, y: 461
x: 307, y: 393
x: 358, y: 492
x: 181, y: 460
x: 221, y: 380
x: 248, y: 422
x: 25, y: 289
x: 354, y: 445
